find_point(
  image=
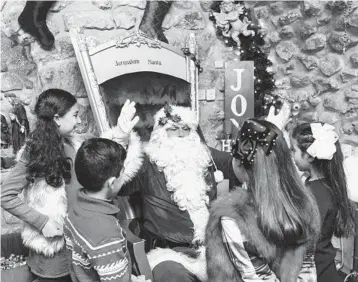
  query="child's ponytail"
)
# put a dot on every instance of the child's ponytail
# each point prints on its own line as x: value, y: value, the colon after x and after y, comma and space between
x: 45, y: 148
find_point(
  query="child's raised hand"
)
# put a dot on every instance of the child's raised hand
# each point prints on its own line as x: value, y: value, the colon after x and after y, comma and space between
x: 127, y: 119
x: 52, y: 229
x: 282, y: 118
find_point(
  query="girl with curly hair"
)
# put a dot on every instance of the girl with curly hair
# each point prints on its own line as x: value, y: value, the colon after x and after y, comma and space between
x: 45, y: 174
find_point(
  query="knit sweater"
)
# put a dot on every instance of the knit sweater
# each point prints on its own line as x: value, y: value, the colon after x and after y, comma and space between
x: 95, y: 241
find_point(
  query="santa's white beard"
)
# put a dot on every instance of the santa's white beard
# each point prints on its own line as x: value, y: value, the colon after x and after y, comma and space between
x: 185, y: 163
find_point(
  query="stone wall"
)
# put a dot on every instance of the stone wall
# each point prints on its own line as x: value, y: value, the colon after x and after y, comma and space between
x: 313, y: 47
x: 305, y: 41
x: 27, y: 70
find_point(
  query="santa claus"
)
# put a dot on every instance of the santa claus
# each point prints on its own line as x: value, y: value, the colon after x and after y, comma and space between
x: 176, y: 183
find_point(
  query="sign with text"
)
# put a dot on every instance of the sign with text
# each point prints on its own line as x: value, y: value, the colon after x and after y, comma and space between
x: 239, y: 94
x: 112, y: 62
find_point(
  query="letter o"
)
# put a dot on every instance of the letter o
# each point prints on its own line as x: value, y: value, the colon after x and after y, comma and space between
x: 243, y: 105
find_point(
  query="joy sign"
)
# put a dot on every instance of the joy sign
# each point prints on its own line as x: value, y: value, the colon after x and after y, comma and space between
x: 239, y: 92
x: 239, y: 97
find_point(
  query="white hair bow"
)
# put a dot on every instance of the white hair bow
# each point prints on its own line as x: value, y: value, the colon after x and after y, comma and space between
x: 323, y: 147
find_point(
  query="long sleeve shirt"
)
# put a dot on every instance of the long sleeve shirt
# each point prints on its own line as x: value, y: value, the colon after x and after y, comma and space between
x: 95, y: 242
x: 11, y: 201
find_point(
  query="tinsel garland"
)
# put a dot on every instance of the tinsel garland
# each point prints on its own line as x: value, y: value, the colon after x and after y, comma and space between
x: 12, y: 262
x: 250, y: 50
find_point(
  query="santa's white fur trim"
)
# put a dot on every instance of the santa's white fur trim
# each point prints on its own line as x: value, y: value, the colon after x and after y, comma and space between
x: 134, y: 159
x: 196, y: 266
x: 188, y: 116
x: 51, y: 202
x: 185, y: 162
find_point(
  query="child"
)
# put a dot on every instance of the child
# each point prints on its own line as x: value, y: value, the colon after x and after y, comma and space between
x: 44, y: 172
x: 316, y: 150
x: 263, y: 232
x: 46, y: 175
x: 96, y: 244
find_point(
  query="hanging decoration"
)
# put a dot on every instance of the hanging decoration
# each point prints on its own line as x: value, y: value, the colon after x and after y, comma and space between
x: 33, y: 21
x: 246, y: 42
x: 187, y: 52
x: 154, y: 14
x: 230, y: 23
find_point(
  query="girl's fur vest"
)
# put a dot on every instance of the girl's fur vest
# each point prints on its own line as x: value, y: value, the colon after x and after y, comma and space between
x: 52, y: 202
x: 285, y: 263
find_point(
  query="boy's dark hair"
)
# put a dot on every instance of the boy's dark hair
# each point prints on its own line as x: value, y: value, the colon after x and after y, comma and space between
x: 97, y: 160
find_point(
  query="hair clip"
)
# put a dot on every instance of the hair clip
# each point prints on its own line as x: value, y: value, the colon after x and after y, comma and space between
x: 245, y: 148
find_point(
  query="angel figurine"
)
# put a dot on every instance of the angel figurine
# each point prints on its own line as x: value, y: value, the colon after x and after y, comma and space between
x: 229, y: 20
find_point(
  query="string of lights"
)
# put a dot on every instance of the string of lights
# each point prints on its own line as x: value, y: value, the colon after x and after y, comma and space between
x: 249, y: 49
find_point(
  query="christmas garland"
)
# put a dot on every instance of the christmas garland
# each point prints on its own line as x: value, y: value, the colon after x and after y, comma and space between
x: 12, y: 262
x: 250, y: 50
x: 169, y: 116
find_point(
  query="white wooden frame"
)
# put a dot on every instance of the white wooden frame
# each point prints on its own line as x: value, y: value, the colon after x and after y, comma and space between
x: 100, y: 64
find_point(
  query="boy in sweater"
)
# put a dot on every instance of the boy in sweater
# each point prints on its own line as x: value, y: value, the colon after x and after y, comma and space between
x: 95, y: 241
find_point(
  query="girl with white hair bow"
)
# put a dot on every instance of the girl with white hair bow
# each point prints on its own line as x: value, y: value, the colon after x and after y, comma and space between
x: 316, y: 150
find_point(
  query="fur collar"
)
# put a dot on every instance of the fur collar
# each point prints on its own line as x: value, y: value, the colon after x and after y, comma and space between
x: 236, y: 205
x: 134, y: 159
x: 43, y: 198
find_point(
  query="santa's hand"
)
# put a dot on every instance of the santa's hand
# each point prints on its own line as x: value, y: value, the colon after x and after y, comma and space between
x: 282, y: 118
x: 125, y: 124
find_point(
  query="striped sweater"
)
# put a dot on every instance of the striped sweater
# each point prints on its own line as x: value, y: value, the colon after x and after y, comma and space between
x: 96, y: 245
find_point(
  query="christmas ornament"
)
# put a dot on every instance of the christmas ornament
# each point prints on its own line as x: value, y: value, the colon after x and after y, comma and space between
x: 230, y: 22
